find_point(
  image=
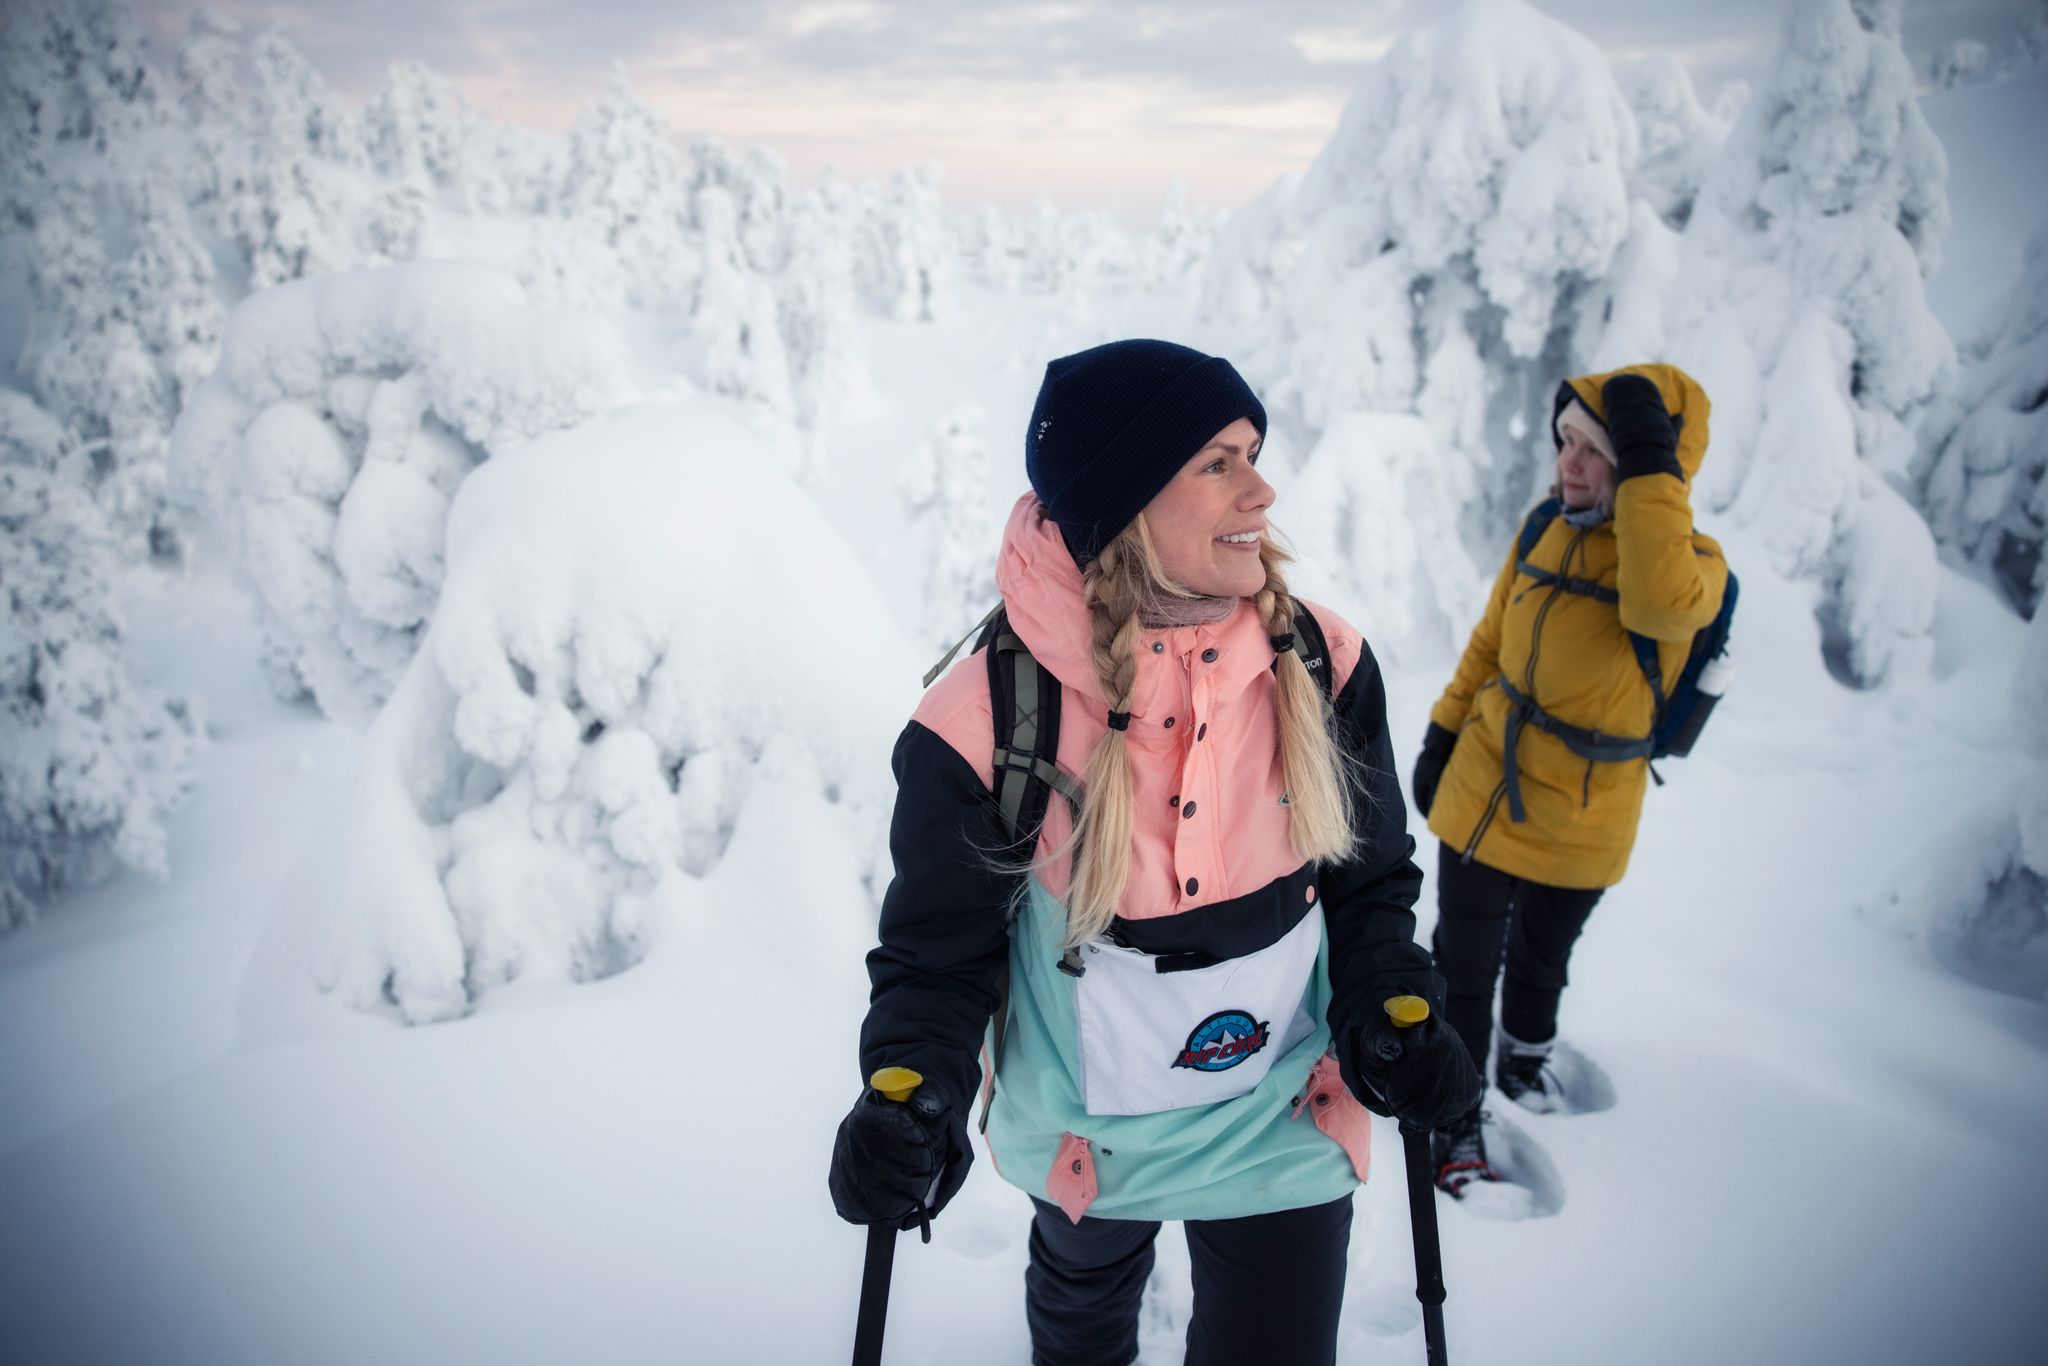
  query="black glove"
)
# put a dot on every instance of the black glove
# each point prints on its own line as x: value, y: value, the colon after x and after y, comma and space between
x: 1437, y: 745
x: 1645, y: 436
x: 893, y: 1162
x: 1422, y: 1075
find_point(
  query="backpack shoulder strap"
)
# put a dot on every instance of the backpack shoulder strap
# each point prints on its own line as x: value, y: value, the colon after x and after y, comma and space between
x: 979, y: 628
x: 1535, y: 524
x: 1314, y: 649
x: 1024, y: 704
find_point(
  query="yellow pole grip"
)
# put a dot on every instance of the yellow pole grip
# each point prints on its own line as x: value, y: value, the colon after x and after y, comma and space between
x: 1404, y: 1011
x: 897, y: 1083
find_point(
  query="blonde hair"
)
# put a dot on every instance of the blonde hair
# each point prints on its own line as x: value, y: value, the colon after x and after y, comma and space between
x: 1125, y: 587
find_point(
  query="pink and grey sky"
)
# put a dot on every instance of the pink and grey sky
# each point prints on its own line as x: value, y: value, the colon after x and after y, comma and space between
x: 1092, y: 104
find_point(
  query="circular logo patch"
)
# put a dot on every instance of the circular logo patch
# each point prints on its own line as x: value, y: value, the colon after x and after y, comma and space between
x: 1222, y: 1041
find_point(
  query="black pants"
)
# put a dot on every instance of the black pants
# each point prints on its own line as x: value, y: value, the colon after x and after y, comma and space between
x: 1480, y: 910
x: 1267, y: 1287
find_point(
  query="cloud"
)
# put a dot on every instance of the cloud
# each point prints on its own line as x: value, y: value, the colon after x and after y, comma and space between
x: 1147, y: 88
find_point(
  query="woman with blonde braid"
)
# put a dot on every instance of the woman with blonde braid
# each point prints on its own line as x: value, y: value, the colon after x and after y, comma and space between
x: 1182, y: 993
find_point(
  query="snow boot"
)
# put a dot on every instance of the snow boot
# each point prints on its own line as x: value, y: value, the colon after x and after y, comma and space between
x: 1524, y: 1075
x: 1459, y: 1154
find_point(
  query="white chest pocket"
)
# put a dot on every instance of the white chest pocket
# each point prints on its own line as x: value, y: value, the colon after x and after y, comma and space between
x: 1153, y: 1040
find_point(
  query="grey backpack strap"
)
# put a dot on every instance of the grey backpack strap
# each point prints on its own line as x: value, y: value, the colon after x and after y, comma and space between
x: 935, y: 670
x: 1024, y: 702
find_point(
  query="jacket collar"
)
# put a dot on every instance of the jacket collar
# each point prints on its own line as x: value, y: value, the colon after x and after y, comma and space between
x: 1041, y: 587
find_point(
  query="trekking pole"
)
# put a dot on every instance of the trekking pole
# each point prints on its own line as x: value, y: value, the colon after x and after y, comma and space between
x: 1406, y: 1012
x: 896, y: 1084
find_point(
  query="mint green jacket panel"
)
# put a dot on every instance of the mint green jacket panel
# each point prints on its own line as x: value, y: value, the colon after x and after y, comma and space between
x: 1255, y: 1154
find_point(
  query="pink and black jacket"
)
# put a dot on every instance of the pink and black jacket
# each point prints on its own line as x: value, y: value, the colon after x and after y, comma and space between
x: 1214, y: 888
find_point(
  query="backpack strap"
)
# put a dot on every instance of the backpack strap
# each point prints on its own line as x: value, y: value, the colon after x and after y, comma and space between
x: 1535, y: 524
x: 979, y: 628
x: 1533, y: 527
x: 1024, y: 704
x: 1314, y: 649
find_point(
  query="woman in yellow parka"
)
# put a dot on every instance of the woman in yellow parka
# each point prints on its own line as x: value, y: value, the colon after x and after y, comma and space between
x: 1533, y: 770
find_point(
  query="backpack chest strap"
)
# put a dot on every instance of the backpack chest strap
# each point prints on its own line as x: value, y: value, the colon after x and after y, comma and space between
x: 1584, y: 588
x: 1593, y: 746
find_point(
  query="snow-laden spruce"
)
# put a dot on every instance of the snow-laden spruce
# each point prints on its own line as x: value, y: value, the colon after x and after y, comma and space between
x: 1432, y: 261
x: 91, y: 759
x: 1983, y: 473
x: 1975, y: 891
x: 327, y: 446
x: 1800, y: 304
x: 640, y: 616
x: 944, y: 482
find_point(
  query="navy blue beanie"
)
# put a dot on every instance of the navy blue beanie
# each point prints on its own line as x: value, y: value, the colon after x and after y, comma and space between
x: 1114, y: 423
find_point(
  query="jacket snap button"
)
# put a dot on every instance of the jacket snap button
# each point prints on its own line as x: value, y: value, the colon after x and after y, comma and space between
x: 1322, y: 1098
x: 1187, y: 811
x: 1192, y: 886
x: 1169, y: 723
x: 1173, y: 800
x: 1201, y: 730
x: 1077, y: 1165
x: 1209, y: 655
x: 1158, y: 647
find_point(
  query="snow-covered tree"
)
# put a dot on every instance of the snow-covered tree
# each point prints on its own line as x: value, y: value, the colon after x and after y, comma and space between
x: 89, y: 365
x: 1679, y: 138
x: 294, y: 107
x: 417, y: 129
x: 626, y: 181
x: 213, y: 77
x: 1365, y: 501
x: 735, y: 313
x: 1975, y: 892
x: 908, y: 266
x: 816, y: 303
x: 944, y: 484
x: 591, y: 716
x: 1800, y: 304
x: 1436, y: 258
x: 95, y: 86
x: 988, y: 250
x: 166, y: 283
x: 327, y: 445
x: 1170, y: 257
x: 1983, y: 472
x: 91, y: 759
x: 284, y: 209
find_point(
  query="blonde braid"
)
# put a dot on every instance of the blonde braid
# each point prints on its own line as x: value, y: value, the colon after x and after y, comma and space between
x: 1319, y: 799
x: 1112, y: 587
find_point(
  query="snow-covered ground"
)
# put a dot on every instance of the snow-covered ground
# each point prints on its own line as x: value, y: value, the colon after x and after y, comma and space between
x: 1823, y: 1149
x: 614, y: 559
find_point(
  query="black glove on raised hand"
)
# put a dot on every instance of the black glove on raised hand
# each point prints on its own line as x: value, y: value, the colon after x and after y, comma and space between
x: 1437, y: 744
x: 892, y: 1161
x: 1644, y: 435
x: 1422, y: 1075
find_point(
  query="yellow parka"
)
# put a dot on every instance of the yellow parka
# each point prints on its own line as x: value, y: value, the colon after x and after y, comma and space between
x: 1571, y: 655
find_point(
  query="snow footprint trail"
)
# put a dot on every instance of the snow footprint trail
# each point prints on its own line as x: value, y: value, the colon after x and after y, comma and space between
x: 1586, y: 1087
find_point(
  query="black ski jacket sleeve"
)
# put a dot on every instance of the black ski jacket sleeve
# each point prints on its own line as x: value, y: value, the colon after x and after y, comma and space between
x: 1369, y: 900
x: 944, y: 926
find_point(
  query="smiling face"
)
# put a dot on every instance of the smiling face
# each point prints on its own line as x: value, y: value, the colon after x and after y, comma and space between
x: 1209, y: 519
x: 1584, y: 478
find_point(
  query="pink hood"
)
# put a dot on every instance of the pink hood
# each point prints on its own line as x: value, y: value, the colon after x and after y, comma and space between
x: 1041, y: 587
x: 1208, y: 823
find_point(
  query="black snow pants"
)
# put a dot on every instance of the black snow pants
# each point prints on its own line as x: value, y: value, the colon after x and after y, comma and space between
x: 1267, y: 1287
x: 1480, y: 910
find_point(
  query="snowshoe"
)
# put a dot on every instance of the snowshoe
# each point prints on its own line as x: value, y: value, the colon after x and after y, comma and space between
x: 1525, y: 1075
x: 1459, y: 1155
